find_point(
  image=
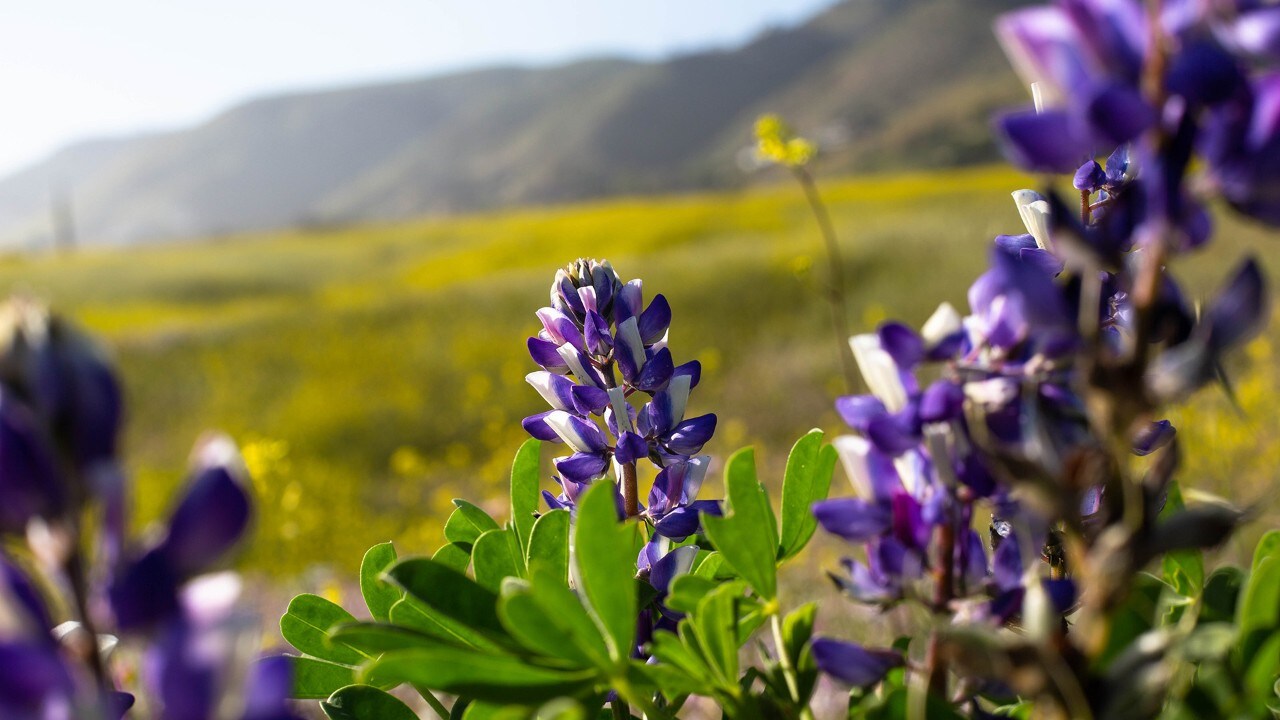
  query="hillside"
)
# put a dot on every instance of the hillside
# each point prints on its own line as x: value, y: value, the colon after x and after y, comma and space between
x: 883, y: 83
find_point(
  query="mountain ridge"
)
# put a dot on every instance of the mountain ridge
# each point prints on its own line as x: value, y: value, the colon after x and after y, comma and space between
x: 883, y: 83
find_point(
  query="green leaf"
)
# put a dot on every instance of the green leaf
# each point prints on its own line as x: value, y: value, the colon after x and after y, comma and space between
x: 454, y: 555
x: 497, y: 678
x: 496, y: 555
x: 543, y: 632
x: 412, y: 614
x: 488, y: 711
x: 797, y: 629
x: 1260, y: 678
x: 715, y: 624
x: 374, y: 638
x: 564, y: 612
x: 1221, y: 595
x: 306, y: 626
x: 1258, y: 614
x: 549, y: 544
x: 379, y: 595
x: 524, y: 489
x: 747, y: 535
x: 363, y: 702
x: 467, y: 523
x: 687, y: 591
x: 606, y: 568
x: 1268, y: 545
x: 807, y: 480
x: 450, y: 593
x: 318, y: 679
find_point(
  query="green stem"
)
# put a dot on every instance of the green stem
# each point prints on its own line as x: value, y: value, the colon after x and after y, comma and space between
x: 784, y: 660
x: 433, y: 701
x: 835, y: 274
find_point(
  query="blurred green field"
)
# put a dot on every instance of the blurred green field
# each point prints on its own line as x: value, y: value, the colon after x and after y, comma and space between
x: 374, y: 373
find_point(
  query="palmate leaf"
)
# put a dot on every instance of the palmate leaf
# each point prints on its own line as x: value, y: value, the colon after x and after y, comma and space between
x: 306, y: 625
x: 549, y: 618
x: 454, y: 555
x: 496, y: 556
x: 410, y: 613
x: 806, y: 480
x: 374, y: 638
x: 605, y: 556
x: 379, y: 595
x: 1258, y: 614
x: 747, y: 536
x: 467, y: 523
x: 476, y: 674
x: 549, y: 544
x: 364, y: 702
x: 318, y: 679
x: 448, y: 591
x: 524, y: 489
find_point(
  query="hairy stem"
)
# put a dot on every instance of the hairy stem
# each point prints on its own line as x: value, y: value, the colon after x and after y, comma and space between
x: 630, y: 492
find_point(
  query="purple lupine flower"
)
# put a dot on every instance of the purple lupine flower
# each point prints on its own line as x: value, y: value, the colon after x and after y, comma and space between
x: 208, y: 521
x: 598, y: 346
x: 852, y: 664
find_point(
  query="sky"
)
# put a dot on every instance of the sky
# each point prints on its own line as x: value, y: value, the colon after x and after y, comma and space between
x: 75, y: 69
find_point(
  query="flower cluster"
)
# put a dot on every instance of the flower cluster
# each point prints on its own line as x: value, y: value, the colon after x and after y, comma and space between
x: 60, y: 415
x: 598, y: 348
x: 1077, y: 336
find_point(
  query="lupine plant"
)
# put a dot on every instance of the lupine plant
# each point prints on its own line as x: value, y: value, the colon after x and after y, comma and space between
x: 81, y: 607
x: 1013, y: 474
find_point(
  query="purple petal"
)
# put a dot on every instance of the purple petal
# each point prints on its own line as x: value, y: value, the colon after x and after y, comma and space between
x: 655, y: 320
x: 859, y: 410
x: 627, y: 303
x: 688, y: 437
x: 853, y: 519
x: 16, y: 586
x: 1204, y: 74
x: 1089, y: 177
x: 582, y: 467
x: 656, y: 372
x: 1062, y: 593
x: 145, y: 592
x: 684, y: 521
x: 692, y: 369
x: 34, y: 679
x: 1153, y: 437
x: 853, y: 664
x: 631, y: 447
x: 941, y: 402
x: 1042, y: 142
x: 671, y: 566
x: 1006, y: 565
x: 1118, y: 114
x: 1043, y: 260
x: 897, y: 433
x: 268, y: 689
x: 1239, y: 311
x: 536, y: 425
x: 596, y: 331
x: 1014, y: 243
x: 588, y: 399
x: 29, y: 481
x: 208, y: 522
x: 902, y: 343
x: 1117, y: 166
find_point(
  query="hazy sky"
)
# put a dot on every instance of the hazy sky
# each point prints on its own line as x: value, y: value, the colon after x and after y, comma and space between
x: 71, y: 69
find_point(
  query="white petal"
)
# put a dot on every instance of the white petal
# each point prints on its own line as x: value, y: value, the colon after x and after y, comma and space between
x: 678, y: 389
x: 569, y: 354
x: 879, y: 370
x: 853, y: 451
x: 943, y: 323
x: 1034, y: 210
x: 541, y: 381
x: 618, y: 401
x: 558, y: 420
x: 629, y: 341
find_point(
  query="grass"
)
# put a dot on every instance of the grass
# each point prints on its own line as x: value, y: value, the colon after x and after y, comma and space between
x: 374, y: 373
